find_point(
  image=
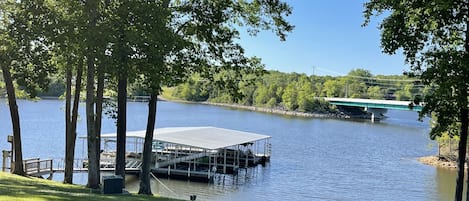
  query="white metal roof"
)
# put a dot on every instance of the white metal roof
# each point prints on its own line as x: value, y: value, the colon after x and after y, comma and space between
x: 200, y: 137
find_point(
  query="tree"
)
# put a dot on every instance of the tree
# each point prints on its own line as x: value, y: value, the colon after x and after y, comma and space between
x: 91, y: 7
x: 64, y: 28
x: 261, y: 95
x: 434, y: 37
x: 6, y: 54
x: 356, y: 83
x: 71, y: 116
x: 375, y: 92
x: 333, y: 88
x: 24, y: 59
x: 305, y: 95
x: 290, y: 97
x: 200, y: 39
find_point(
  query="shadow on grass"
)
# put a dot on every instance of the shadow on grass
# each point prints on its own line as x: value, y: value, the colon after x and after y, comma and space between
x: 26, y: 188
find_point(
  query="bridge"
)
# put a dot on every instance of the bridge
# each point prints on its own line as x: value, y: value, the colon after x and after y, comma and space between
x: 372, y: 105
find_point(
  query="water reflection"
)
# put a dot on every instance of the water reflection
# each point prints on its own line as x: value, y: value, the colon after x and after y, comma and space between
x: 445, y: 181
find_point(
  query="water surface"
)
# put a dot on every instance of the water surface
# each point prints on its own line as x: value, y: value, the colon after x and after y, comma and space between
x: 312, y: 159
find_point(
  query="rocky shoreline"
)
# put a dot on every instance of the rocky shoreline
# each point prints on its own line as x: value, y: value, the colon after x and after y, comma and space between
x: 438, y: 162
x: 279, y: 111
x: 265, y: 110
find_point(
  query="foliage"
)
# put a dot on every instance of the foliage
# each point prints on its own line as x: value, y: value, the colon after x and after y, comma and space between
x: 430, y: 36
x: 434, y: 37
x: 447, y: 145
x: 292, y: 91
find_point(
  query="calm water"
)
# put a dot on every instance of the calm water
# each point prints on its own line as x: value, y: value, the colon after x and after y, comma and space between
x: 312, y: 159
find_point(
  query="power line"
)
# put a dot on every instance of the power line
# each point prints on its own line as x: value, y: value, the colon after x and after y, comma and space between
x: 371, y: 78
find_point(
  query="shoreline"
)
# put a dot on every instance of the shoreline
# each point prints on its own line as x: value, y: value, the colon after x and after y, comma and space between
x: 329, y: 115
x: 264, y: 110
x: 436, y: 162
x: 276, y: 111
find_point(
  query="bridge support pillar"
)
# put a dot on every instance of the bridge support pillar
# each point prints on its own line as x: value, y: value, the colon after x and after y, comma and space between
x: 376, y: 113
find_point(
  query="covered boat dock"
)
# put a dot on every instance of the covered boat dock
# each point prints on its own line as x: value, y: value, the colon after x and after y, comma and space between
x: 199, y: 153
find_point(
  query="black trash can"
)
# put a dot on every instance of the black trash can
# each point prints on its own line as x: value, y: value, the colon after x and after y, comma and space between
x: 112, y: 184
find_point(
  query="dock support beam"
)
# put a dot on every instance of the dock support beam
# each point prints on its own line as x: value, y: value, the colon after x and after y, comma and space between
x: 224, y: 161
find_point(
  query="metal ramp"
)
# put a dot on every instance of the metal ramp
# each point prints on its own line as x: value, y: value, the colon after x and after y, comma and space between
x: 133, y: 164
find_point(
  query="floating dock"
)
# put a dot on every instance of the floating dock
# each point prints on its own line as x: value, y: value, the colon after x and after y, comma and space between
x: 192, y: 153
x: 200, y: 153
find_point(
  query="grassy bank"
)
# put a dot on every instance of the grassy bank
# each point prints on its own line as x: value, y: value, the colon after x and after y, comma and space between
x: 15, y: 188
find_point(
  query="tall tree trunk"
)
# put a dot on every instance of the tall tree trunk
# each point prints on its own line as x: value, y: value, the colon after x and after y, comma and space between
x: 463, y: 142
x: 463, y: 112
x: 99, y: 113
x: 121, y: 124
x: 461, y: 154
x: 93, y: 167
x: 71, y: 137
x: 463, y: 139
x: 122, y: 95
x: 145, y: 187
x: 15, y: 121
x: 68, y: 171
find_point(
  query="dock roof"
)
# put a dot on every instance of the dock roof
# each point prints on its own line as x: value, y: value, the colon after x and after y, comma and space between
x: 200, y: 137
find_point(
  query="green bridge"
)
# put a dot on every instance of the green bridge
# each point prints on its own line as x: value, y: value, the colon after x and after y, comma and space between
x: 372, y: 105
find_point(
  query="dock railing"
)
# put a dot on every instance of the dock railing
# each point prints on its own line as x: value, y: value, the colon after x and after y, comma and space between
x: 78, y: 164
x: 37, y: 167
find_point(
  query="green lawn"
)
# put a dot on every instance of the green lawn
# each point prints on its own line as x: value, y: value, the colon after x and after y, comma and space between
x: 14, y: 187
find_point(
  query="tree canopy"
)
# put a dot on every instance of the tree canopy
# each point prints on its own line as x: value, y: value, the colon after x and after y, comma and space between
x: 299, y: 92
x: 434, y: 37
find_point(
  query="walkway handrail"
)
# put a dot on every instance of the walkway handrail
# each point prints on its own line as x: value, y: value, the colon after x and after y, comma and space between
x: 36, y: 165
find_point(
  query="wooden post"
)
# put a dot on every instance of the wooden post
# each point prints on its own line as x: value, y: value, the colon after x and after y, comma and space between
x: 12, y: 155
x: 224, y: 160
x: 209, y: 165
x: 237, y: 157
x: 176, y: 149
x: 6, y: 154
x: 247, y: 157
x: 51, y: 168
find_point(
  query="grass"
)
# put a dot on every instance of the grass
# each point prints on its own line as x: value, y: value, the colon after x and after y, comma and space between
x: 15, y: 188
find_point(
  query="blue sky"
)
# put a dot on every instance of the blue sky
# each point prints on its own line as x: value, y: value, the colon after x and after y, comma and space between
x: 328, y: 36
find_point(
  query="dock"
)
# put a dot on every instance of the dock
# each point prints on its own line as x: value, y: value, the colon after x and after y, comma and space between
x: 200, y: 153
x: 189, y: 153
x: 37, y: 167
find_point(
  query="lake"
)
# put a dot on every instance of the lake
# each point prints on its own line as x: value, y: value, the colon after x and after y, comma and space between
x: 312, y: 159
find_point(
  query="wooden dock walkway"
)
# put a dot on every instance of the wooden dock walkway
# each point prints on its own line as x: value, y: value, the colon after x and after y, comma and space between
x: 39, y: 168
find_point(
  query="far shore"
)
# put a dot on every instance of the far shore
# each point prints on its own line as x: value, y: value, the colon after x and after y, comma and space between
x: 279, y: 111
x: 265, y: 110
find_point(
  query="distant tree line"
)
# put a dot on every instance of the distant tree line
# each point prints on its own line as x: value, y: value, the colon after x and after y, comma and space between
x: 300, y: 92
x: 274, y: 89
